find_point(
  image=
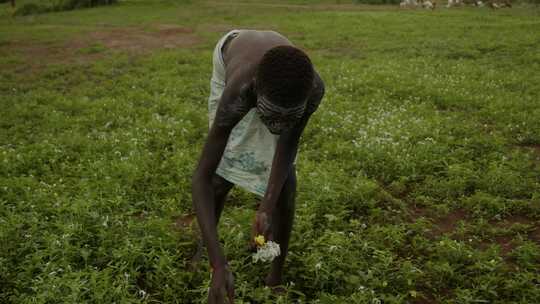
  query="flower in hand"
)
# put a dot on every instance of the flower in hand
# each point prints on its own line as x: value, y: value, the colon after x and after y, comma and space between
x: 266, y: 251
x: 259, y: 240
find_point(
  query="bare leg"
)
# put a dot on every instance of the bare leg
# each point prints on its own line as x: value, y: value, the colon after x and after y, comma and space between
x: 221, y: 189
x: 282, y: 222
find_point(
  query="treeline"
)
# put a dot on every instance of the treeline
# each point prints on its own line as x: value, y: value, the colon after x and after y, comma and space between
x: 537, y: 2
x: 45, y: 6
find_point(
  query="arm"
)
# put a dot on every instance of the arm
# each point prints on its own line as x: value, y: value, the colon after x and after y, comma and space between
x: 286, y: 150
x: 231, y: 110
x: 202, y: 192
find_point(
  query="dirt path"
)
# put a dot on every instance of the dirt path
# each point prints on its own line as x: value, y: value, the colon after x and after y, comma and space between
x: 94, y: 45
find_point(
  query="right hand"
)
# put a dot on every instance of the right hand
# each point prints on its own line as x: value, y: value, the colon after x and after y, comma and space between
x: 261, y: 226
x: 222, y: 286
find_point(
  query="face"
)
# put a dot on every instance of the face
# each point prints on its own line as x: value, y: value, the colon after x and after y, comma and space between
x: 276, y: 118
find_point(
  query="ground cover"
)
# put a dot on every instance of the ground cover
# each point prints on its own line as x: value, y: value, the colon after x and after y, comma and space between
x: 419, y: 177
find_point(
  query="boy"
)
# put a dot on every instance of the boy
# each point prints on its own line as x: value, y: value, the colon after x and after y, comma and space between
x: 263, y: 91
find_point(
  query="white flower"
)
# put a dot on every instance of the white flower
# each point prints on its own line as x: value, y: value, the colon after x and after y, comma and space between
x: 268, y: 252
x: 142, y: 293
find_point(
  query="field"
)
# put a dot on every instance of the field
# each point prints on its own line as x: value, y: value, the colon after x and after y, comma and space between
x: 419, y: 175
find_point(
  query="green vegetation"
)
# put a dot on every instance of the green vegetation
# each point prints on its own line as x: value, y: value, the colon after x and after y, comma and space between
x: 419, y: 176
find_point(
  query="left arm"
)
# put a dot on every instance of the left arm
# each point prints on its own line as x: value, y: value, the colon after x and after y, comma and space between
x: 286, y: 149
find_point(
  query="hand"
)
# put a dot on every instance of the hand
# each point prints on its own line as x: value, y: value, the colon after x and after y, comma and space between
x: 261, y: 226
x: 222, y: 286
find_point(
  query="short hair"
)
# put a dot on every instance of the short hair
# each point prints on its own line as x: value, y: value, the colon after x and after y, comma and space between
x: 284, y: 75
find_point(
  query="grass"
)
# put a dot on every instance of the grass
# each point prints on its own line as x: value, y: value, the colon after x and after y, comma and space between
x: 419, y: 176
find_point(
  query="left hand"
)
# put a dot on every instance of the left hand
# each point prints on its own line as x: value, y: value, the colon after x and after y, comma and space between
x: 261, y: 226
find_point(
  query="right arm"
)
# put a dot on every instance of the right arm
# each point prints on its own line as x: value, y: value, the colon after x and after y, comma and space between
x: 203, y: 195
x: 232, y: 108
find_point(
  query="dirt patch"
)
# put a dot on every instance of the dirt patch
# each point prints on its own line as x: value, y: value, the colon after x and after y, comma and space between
x: 425, y: 298
x: 504, y: 242
x: 94, y: 45
x: 184, y: 221
x: 508, y: 221
x: 535, y: 235
x: 140, y: 41
x: 441, y: 225
x: 534, y: 149
x: 449, y: 222
x: 417, y: 212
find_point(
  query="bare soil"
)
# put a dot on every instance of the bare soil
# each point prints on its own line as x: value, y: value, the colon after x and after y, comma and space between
x: 443, y: 224
x: 91, y: 46
x: 184, y: 221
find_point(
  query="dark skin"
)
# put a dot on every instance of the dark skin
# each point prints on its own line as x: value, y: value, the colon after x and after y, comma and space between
x: 274, y: 217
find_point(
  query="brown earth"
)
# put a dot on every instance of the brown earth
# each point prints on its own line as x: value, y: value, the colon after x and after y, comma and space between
x: 533, y: 234
x: 535, y: 149
x: 425, y: 298
x: 90, y: 46
x: 448, y: 223
x: 183, y: 221
x: 443, y: 224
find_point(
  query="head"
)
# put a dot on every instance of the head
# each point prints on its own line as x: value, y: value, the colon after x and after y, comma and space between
x: 283, y: 81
